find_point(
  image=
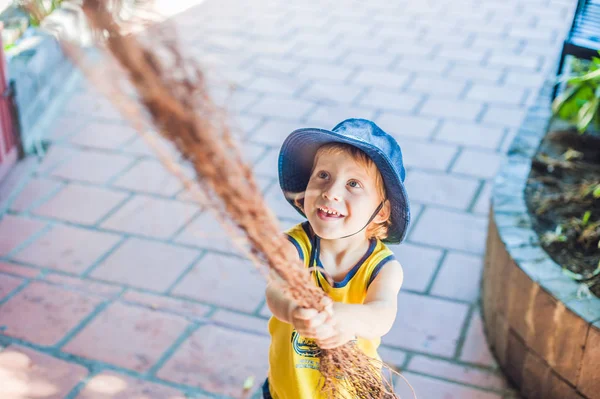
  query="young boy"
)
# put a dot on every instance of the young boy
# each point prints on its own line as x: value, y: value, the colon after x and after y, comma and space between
x: 348, y: 183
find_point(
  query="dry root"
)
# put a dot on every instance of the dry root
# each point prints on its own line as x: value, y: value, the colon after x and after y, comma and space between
x: 174, y: 94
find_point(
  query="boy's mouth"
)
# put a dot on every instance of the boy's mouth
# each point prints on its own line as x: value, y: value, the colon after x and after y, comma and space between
x: 328, y: 213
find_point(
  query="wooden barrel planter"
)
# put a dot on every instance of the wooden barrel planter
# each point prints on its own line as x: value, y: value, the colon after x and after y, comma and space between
x: 544, y: 334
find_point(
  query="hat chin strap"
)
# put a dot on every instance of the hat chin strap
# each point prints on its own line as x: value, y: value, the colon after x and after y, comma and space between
x: 365, y: 226
x: 316, y: 242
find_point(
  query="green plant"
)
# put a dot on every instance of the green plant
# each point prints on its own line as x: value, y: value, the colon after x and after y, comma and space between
x: 579, y: 104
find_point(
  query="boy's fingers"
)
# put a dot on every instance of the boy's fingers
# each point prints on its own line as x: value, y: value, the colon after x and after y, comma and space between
x: 305, y: 314
x: 326, y: 301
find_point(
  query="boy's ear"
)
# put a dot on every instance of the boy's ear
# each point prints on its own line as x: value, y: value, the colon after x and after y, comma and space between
x: 384, y: 213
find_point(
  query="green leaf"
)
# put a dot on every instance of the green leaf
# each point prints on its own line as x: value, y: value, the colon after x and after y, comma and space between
x: 586, y: 114
x: 586, y: 218
x: 596, y: 192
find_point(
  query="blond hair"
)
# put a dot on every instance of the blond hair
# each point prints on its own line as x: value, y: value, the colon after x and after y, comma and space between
x: 378, y: 230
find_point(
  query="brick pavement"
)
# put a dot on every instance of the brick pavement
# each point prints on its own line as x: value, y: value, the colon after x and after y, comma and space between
x: 112, y: 280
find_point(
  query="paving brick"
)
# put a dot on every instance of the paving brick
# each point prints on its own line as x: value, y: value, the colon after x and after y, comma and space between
x: 390, y: 356
x: 450, y: 229
x: 96, y: 106
x: 146, y: 264
x: 92, y: 166
x: 151, y: 217
x: 482, y: 206
x: 377, y: 59
x: 478, y: 163
x: 427, y: 155
x: 25, y: 373
x: 528, y: 63
x: 476, y: 348
x: 84, y: 285
x: 589, y: 379
x: 419, y: 263
x: 325, y: 72
x: 316, y: 52
x: 23, y: 271
x: 381, y: 78
x: 51, y: 313
x: 274, y: 66
x: 167, y: 304
x: 441, y: 189
x: 15, y: 230
x: 127, y: 336
x: 459, y: 53
x: 406, y: 125
x: 218, y: 360
x: 234, y: 101
x: 437, y: 86
x: 267, y: 165
x: 537, y: 33
x: 225, y: 281
x: 504, y: 115
x: 206, y: 232
x: 242, y: 322
x: 451, y: 109
x: 283, y: 108
x: 274, y: 132
x: 532, y: 80
x: 64, y: 126
x: 327, y: 116
x: 279, y: 205
x: 421, y: 64
x: 332, y: 93
x: 477, y: 73
x: 274, y: 85
x: 470, y: 134
x: 426, y: 324
x: 34, y: 192
x: 426, y: 387
x: 8, y: 283
x: 459, y: 277
x: 390, y: 100
x: 66, y: 248
x: 502, y: 44
x: 149, y: 176
x: 496, y: 94
x: 98, y: 134
x: 80, y: 204
x: 109, y: 384
x: 140, y: 146
x: 457, y: 372
x: 55, y: 156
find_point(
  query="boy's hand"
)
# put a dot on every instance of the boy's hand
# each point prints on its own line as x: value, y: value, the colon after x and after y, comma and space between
x: 339, y: 323
x: 311, y: 323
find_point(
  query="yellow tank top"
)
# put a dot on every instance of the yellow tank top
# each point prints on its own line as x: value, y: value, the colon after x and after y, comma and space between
x: 294, y: 363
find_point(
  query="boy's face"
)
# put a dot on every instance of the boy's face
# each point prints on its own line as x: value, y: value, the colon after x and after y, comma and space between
x: 340, y: 197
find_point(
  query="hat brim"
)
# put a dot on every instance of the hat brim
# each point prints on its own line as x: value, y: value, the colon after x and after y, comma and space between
x: 296, y: 159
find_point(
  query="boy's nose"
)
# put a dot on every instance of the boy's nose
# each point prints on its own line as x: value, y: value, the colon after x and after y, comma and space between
x: 332, y: 193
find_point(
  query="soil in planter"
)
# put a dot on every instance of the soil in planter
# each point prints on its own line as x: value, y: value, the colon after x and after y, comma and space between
x: 563, y: 198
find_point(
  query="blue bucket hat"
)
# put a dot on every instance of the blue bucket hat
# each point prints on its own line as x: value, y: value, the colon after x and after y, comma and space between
x: 298, y: 151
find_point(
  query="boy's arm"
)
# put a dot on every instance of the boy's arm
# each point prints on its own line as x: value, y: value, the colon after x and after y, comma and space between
x: 308, y: 322
x: 375, y: 317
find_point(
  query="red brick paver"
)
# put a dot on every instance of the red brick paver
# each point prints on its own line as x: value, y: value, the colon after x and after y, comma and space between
x: 218, y: 360
x: 51, y: 312
x: 127, y: 336
x: 25, y: 373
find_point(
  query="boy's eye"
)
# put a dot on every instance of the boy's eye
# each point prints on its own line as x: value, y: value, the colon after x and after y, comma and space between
x: 354, y: 183
x: 322, y: 175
